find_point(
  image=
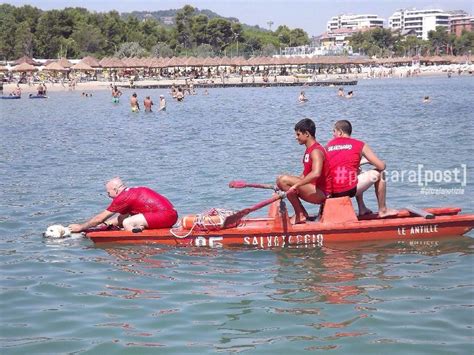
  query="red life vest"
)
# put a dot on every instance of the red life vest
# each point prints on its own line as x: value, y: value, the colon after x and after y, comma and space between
x: 324, y: 180
x: 344, y: 155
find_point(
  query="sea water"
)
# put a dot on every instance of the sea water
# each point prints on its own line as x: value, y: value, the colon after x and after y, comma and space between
x: 69, y: 296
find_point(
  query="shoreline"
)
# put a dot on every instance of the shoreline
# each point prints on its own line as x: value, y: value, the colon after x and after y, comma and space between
x: 320, y: 80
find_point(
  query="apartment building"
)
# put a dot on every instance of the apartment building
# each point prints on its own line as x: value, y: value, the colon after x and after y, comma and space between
x: 353, y: 22
x: 420, y: 21
x: 459, y: 24
x: 459, y: 21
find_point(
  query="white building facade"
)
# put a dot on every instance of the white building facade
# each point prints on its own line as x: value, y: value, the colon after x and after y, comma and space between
x: 420, y: 21
x: 353, y: 22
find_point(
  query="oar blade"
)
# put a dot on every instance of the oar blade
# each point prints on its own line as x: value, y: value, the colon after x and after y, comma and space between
x: 234, y: 219
x: 237, y: 184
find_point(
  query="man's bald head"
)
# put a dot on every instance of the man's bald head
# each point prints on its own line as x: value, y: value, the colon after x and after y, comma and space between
x: 114, y: 186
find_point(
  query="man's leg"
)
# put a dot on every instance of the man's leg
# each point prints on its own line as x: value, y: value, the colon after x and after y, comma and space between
x: 284, y: 182
x: 137, y: 221
x: 367, y: 179
x: 117, y: 220
x: 364, y: 181
x: 307, y: 192
x: 381, y: 193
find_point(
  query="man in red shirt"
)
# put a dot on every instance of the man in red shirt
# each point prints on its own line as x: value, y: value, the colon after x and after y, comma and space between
x: 138, y: 208
x: 345, y: 154
x: 314, y: 184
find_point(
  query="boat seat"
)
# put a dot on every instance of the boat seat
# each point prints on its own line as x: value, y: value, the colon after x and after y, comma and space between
x: 338, y: 210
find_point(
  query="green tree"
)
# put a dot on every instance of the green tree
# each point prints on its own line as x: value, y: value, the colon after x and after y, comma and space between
x: 252, y: 45
x: 183, y: 20
x: 161, y: 49
x: 88, y: 39
x: 439, y: 39
x: 28, y: 14
x: 130, y: 49
x: 465, y: 43
x: 268, y: 49
x: 409, y: 46
x: 199, y: 29
x: 204, y: 50
x: 24, y: 40
x: 52, y: 27
x: 299, y: 37
x: 113, y: 29
x: 132, y: 30
x: 220, y: 33
x: 283, y: 34
x: 376, y: 42
x: 7, y: 32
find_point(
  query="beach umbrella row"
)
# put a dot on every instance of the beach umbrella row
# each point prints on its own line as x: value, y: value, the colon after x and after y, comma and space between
x: 26, y: 64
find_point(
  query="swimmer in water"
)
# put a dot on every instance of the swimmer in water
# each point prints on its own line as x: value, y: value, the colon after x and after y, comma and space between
x: 148, y: 103
x: 302, y: 97
x: 134, y: 103
x: 162, y: 103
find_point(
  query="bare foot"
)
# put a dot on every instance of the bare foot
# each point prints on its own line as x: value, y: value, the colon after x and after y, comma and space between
x: 388, y: 212
x: 298, y: 219
x: 364, y: 211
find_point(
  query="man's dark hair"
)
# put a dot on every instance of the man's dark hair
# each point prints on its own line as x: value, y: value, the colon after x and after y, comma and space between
x: 344, y: 126
x: 306, y: 125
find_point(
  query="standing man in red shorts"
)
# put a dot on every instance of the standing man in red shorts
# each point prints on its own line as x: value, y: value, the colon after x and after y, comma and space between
x: 138, y: 208
x: 314, y: 184
x: 345, y: 154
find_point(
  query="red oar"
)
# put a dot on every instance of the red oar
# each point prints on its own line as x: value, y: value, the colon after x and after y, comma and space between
x: 240, y: 184
x: 234, y: 219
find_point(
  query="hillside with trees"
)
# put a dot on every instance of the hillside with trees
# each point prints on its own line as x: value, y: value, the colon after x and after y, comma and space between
x: 77, y: 32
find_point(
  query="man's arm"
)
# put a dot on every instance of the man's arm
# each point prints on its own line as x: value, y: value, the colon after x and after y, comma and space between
x: 94, y: 221
x: 372, y: 158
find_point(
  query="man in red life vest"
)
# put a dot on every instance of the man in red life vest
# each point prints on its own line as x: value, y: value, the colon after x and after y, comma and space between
x: 138, y: 208
x: 345, y: 154
x: 314, y: 184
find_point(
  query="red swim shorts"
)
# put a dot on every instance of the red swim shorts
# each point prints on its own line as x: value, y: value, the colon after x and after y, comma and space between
x: 162, y: 219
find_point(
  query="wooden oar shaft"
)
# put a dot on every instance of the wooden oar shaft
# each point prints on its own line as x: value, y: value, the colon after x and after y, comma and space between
x: 237, y: 184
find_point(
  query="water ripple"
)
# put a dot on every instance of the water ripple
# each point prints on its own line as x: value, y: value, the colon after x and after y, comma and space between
x: 69, y: 296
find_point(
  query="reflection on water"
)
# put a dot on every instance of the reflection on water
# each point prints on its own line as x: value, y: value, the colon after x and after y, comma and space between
x: 69, y: 296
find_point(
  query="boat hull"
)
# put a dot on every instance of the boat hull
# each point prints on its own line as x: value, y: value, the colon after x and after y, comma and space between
x: 276, y: 231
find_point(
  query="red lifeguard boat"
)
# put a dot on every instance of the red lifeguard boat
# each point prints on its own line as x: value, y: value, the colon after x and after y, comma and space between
x: 338, y: 223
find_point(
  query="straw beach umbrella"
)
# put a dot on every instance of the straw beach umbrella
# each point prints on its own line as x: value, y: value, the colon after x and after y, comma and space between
x: 24, y: 67
x: 81, y: 66
x: 93, y: 62
x: 25, y: 59
x: 54, y: 66
x: 64, y: 63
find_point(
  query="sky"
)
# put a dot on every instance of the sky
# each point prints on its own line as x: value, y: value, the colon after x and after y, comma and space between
x: 310, y: 15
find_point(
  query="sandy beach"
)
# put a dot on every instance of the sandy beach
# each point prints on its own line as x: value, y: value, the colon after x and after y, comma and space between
x: 367, y: 74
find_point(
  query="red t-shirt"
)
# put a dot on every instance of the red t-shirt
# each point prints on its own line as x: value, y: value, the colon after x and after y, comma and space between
x: 324, y: 180
x: 344, y: 155
x: 135, y: 200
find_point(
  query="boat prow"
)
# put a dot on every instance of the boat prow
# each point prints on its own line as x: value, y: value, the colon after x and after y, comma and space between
x: 338, y: 223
